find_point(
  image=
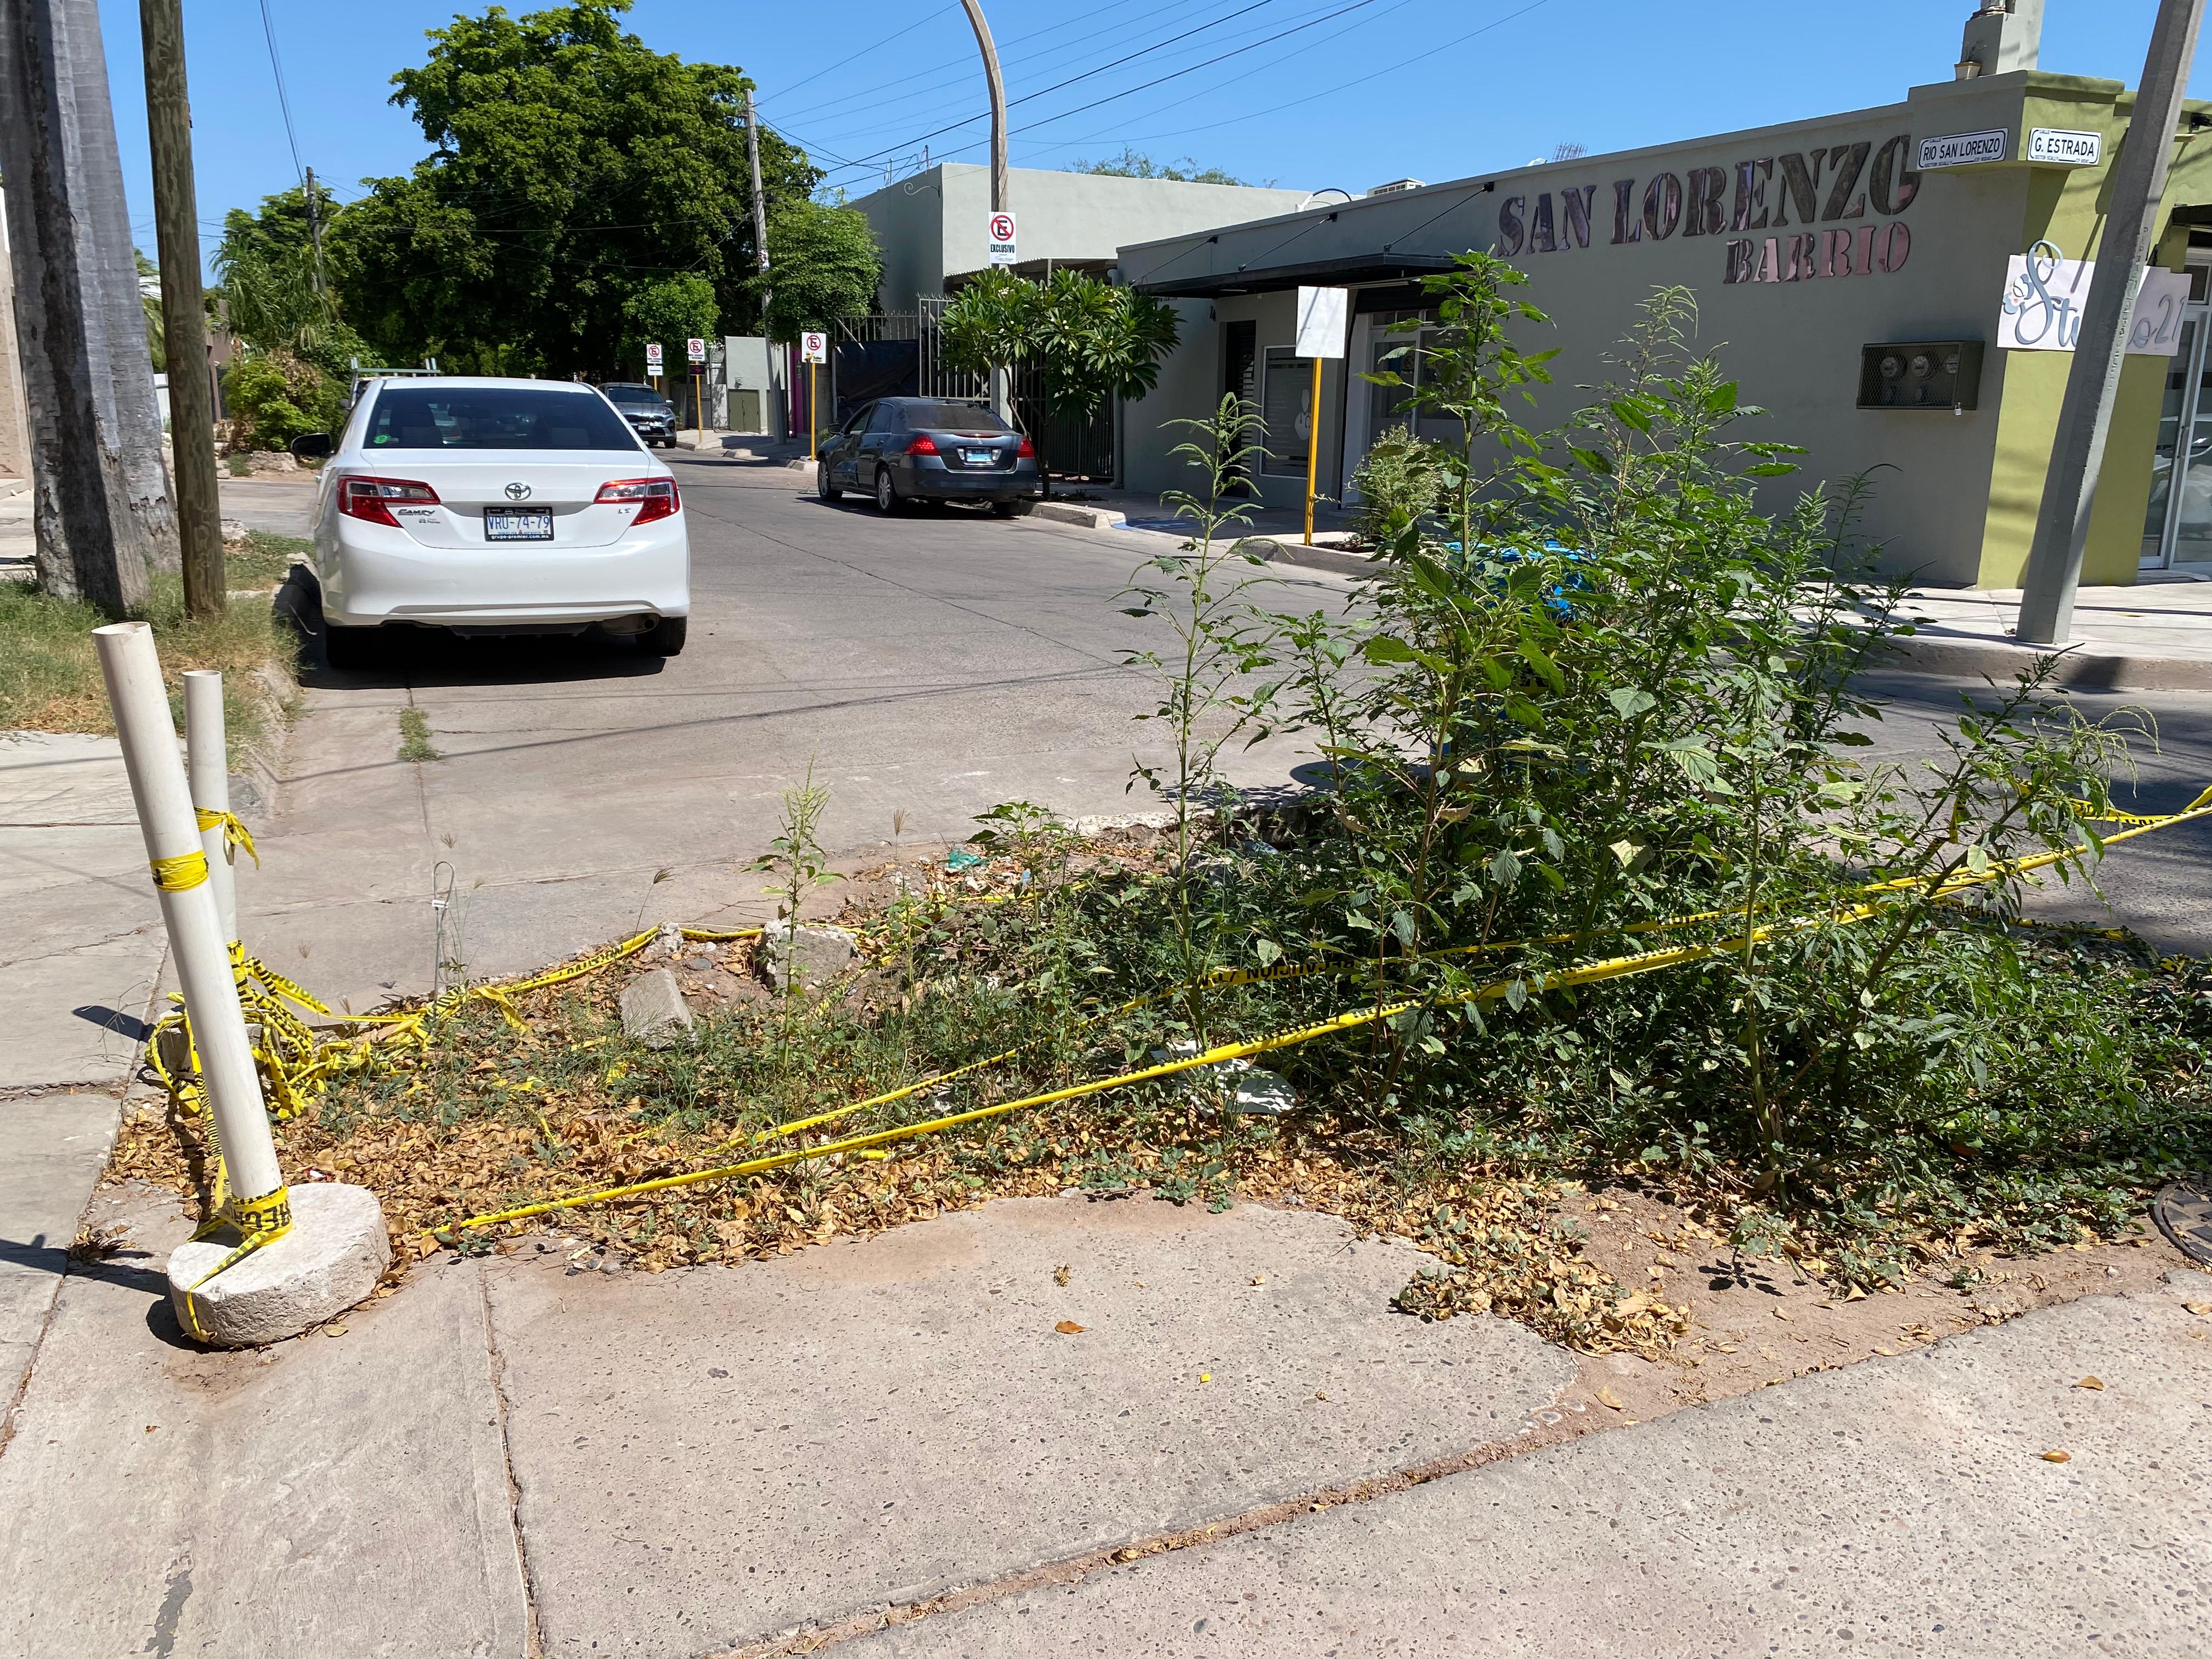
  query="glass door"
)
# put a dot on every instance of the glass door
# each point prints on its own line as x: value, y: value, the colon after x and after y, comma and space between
x: 2178, y: 521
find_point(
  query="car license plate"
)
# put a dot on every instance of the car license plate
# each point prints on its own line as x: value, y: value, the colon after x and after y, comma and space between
x: 517, y: 527
x: 980, y: 457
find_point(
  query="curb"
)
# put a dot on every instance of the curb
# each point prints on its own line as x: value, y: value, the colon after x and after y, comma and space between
x: 254, y: 776
x: 1312, y: 558
x: 2101, y: 671
x: 1090, y: 518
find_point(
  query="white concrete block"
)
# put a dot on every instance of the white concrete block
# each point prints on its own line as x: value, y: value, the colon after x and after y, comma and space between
x: 333, y: 1258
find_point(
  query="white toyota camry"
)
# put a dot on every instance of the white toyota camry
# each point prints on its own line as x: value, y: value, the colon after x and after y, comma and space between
x: 497, y: 507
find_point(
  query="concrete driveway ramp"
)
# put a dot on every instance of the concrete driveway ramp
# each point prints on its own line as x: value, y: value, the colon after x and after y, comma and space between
x: 710, y: 1456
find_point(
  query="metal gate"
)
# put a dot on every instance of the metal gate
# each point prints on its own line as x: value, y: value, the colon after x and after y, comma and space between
x: 893, y: 354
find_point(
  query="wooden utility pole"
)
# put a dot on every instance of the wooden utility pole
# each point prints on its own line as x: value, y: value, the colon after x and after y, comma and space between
x: 100, y: 501
x: 2137, y: 186
x: 759, y: 204
x: 184, y: 305
x: 314, y: 233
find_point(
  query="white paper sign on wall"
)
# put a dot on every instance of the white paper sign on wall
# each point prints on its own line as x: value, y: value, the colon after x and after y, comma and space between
x: 2044, y: 292
x: 652, y: 356
x: 1000, y: 232
x: 1320, y: 321
x: 814, y: 348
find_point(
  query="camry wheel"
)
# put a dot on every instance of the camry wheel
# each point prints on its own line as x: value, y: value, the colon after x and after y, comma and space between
x: 823, y: 487
x: 887, y: 499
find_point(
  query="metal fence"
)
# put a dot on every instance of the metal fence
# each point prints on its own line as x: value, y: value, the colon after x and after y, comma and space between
x: 901, y: 353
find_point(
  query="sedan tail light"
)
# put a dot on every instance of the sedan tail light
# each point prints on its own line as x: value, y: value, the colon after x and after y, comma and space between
x: 1027, y: 451
x: 370, y: 499
x: 924, y: 445
x: 656, y: 498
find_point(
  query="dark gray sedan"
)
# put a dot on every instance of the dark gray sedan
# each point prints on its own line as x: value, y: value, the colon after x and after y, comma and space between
x: 650, y: 415
x: 943, y: 449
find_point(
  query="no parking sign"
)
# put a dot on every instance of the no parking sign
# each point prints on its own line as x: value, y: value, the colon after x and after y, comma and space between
x: 1000, y: 231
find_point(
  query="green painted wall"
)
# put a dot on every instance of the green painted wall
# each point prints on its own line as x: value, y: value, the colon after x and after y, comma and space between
x: 2068, y: 206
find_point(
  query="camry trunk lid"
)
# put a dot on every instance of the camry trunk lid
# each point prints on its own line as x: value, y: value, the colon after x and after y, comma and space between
x: 511, y: 481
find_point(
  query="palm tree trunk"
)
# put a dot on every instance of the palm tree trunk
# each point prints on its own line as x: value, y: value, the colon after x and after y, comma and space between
x: 100, y: 503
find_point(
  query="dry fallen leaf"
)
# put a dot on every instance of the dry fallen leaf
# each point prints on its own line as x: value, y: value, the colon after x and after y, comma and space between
x: 1608, y: 1397
x: 2198, y: 1307
x: 334, y: 1330
x: 1258, y: 1278
x: 1780, y: 1314
x: 2057, y: 1457
x: 2090, y: 1383
x: 1205, y: 1376
x: 1068, y: 1328
x: 1062, y: 1274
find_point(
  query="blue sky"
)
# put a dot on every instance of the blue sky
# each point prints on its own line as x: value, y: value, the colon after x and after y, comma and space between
x: 1354, y: 93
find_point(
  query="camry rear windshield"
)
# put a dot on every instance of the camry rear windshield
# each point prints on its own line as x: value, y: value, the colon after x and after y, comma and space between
x: 493, y: 417
x: 951, y: 417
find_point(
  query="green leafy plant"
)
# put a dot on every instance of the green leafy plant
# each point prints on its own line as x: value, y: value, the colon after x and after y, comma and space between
x: 1208, y: 697
x: 1401, y: 479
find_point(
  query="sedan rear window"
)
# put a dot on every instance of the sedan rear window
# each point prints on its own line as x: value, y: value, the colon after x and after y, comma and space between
x: 493, y: 417
x: 635, y: 394
x: 950, y: 417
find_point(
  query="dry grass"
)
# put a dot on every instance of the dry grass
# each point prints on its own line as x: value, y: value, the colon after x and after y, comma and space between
x: 50, y: 673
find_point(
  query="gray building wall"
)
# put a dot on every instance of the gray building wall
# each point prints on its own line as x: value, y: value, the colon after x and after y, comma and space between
x: 1795, y: 347
x: 933, y: 226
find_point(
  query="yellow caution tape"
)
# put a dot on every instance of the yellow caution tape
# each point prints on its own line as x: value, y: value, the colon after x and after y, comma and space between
x: 259, y: 1222
x: 181, y: 874
x: 1496, y: 990
x: 236, y: 837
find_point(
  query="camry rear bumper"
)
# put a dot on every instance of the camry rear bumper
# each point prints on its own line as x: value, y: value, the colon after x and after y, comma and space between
x: 379, y: 575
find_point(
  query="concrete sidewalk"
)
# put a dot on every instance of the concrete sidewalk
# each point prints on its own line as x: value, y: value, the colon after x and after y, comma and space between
x: 2154, y: 637
x: 1911, y: 1504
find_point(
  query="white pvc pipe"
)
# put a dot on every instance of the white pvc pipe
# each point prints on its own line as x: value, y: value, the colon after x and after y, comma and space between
x: 207, y: 759
x: 158, y: 788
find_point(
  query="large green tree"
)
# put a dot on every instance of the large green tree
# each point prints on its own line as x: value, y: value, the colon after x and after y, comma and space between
x: 1089, y: 341
x: 822, y: 264
x: 571, y: 167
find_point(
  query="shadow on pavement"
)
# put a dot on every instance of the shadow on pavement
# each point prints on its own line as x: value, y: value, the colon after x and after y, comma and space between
x: 431, y: 656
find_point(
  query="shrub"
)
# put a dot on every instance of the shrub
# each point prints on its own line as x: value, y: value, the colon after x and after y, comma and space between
x: 1402, y: 477
x: 274, y: 396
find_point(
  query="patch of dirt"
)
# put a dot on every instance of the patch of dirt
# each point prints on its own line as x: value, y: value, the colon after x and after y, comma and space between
x: 1756, y: 1322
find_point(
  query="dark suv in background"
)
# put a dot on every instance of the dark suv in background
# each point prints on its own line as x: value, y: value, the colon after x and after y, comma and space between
x: 944, y: 449
x: 650, y: 415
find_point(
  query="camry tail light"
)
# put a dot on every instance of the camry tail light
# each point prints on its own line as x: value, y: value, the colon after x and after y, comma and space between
x: 923, y: 444
x: 371, y: 499
x: 656, y: 498
x: 1027, y: 451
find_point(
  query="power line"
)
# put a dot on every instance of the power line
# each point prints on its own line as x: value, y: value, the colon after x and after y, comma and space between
x: 1088, y: 74
x: 1131, y: 91
x: 964, y: 62
x: 283, y: 103
x: 1276, y: 109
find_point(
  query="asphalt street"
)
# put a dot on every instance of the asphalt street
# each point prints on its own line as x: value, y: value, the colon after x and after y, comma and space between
x: 2156, y: 883
x: 933, y: 666
x: 924, y: 668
